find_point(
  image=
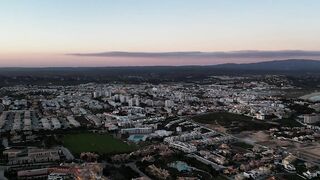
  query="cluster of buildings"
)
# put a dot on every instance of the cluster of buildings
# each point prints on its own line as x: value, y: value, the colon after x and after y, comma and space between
x: 311, y: 118
x: 31, y: 120
x: 32, y: 155
x: 98, y: 105
x: 159, y: 113
x: 295, y: 134
x: 65, y: 171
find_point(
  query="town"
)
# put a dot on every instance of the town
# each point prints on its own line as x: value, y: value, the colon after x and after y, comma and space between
x: 227, y: 128
x: 159, y: 90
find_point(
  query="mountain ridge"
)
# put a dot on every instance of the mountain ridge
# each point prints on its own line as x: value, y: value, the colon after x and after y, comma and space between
x: 278, y: 65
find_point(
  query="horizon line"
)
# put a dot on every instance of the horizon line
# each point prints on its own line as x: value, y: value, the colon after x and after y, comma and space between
x: 191, y: 65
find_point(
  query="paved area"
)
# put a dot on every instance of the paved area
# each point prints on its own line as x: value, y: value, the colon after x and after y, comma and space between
x: 135, y: 168
x: 2, y: 169
x: 67, y: 153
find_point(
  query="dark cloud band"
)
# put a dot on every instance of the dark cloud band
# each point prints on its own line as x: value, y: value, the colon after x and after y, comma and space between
x: 198, y: 54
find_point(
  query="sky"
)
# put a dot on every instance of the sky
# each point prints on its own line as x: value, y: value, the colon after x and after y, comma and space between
x: 45, y: 33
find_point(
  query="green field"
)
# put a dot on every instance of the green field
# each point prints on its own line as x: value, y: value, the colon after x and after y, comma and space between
x: 223, y: 118
x: 235, y: 123
x: 290, y: 122
x: 89, y: 142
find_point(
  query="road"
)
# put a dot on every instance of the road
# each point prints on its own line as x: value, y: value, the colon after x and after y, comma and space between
x: 205, y: 161
x: 136, y: 169
x: 2, y: 169
x: 5, y: 142
x: 67, y: 153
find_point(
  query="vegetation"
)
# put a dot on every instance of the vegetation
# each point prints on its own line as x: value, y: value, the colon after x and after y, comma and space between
x: 90, y: 142
x: 242, y: 145
x: 221, y: 117
x: 291, y: 177
x: 290, y: 122
x: 301, y: 109
x: 233, y: 122
x: 200, y: 170
x: 123, y: 172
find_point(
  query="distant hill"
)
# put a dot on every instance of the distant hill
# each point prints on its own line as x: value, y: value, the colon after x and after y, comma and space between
x: 290, y: 66
x: 279, y: 65
x: 153, y: 74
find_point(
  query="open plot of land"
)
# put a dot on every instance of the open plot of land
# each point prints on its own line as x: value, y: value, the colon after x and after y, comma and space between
x: 89, y: 142
x: 235, y: 123
x: 256, y: 137
x: 312, y: 97
x: 311, y: 153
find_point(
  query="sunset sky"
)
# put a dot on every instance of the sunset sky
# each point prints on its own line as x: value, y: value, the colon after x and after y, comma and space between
x: 156, y: 32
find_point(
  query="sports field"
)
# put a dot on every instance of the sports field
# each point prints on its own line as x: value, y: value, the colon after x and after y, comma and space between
x: 90, y: 142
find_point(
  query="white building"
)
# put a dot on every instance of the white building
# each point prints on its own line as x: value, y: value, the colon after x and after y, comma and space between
x: 311, y: 118
x: 144, y: 130
x: 261, y: 116
x: 45, y: 123
x: 72, y: 121
x: 56, y: 123
x: 168, y: 103
x: 188, y: 148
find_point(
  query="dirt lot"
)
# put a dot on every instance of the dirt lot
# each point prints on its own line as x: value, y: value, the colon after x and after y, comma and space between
x: 254, y: 136
x: 310, y: 152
